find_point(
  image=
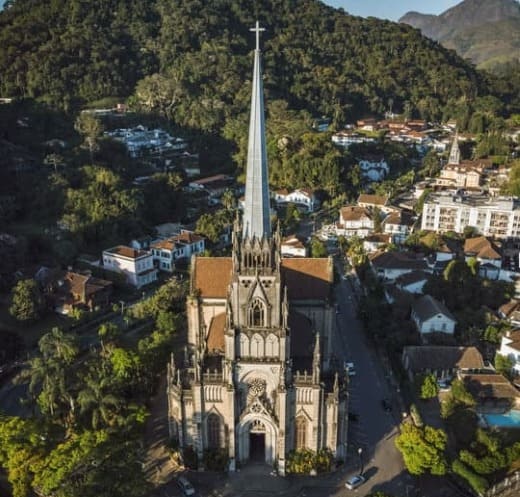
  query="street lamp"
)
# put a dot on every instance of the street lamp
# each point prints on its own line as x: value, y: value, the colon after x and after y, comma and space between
x: 360, y: 453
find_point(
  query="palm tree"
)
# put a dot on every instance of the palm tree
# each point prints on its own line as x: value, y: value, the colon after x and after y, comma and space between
x: 96, y: 401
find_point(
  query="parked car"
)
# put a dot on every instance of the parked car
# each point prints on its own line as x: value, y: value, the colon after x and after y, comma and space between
x: 185, y: 486
x: 386, y: 404
x: 355, y: 482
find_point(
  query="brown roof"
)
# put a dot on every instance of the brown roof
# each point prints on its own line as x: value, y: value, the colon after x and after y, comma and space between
x: 482, y: 248
x: 354, y: 213
x: 397, y: 260
x: 366, y: 198
x: 509, y: 307
x: 412, y: 277
x: 514, y: 337
x: 443, y: 357
x: 379, y: 237
x: 167, y: 244
x: 187, y: 237
x: 426, y: 307
x: 211, y: 276
x: 125, y: 251
x: 307, y: 278
x: 215, y: 341
x: 490, y: 386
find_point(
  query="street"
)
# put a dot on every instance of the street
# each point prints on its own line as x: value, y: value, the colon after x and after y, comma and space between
x: 372, y: 429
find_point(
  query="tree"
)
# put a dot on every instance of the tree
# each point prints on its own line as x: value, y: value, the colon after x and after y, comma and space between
x: 91, y: 129
x: 318, y: 248
x: 429, y: 387
x: 422, y: 449
x: 26, y: 301
x: 54, y: 160
x: 503, y: 364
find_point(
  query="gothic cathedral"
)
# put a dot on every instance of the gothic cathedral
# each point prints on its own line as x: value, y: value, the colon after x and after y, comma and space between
x: 258, y: 379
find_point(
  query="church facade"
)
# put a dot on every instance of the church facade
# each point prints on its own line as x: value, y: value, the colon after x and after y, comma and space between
x: 258, y: 378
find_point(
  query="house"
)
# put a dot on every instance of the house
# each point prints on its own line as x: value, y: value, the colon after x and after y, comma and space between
x: 77, y: 290
x: 292, y: 246
x: 367, y: 124
x: 445, y: 362
x: 141, y: 243
x: 181, y: 246
x: 484, y: 250
x: 412, y: 282
x: 214, y: 185
x: 492, y: 392
x: 390, y: 265
x: 374, y: 168
x: 355, y: 221
x: 431, y: 316
x: 136, y: 265
x: 398, y: 224
x: 347, y: 138
x: 510, y: 311
x: 374, y: 242
x: 304, y: 197
x: 510, y: 347
x: 463, y: 175
x: 374, y: 201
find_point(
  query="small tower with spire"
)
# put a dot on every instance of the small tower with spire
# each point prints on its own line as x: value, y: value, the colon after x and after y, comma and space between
x: 455, y: 151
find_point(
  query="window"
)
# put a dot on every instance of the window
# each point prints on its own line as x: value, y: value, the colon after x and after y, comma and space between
x: 301, y: 432
x: 256, y: 313
x: 213, y: 424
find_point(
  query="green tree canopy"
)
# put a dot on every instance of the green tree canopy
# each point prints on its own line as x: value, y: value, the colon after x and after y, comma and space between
x: 26, y: 301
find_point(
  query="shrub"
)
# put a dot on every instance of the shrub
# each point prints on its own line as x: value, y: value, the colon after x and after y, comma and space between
x: 216, y: 459
x: 303, y: 461
x: 190, y: 457
x: 478, y: 483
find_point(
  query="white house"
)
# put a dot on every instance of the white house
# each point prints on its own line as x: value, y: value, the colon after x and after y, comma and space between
x: 304, y: 197
x: 390, y: 265
x: 510, y: 347
x: 431, y: 316
x: 399, y: 225
x: 181, y: 246
x: 412, y: 282
x: 374, y: 169
x: 136, y: 265
x: 292, y: 246
x: 372, y: 243
x: 354, y: 220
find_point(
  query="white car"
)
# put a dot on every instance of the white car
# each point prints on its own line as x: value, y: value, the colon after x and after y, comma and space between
x: 355, y: 482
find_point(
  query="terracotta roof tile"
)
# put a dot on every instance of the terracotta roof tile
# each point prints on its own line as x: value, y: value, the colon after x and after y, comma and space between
x: 215, y: 341
x: 490, y: 386
x: 366, y: 198
x: 443, y: 357
x: 124, y: 251
x: 354, y: 213
x: 211, y: 276
x: 307, y: 278
x: 481, y: 247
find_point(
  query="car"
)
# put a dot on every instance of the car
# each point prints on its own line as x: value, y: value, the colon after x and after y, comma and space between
x: 443, y: 384
x: 185, y: 486
x: 355, y: 482
x: 386, y: 404
x: 349, y: 368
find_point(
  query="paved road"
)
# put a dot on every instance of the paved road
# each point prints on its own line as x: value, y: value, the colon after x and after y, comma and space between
x: 375, y: 430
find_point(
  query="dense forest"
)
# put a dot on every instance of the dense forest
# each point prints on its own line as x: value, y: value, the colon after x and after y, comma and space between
x: 189, y: 59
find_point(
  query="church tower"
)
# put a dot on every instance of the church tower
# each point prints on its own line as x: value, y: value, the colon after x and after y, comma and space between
x: 454, y: 158
x: 257, y: 378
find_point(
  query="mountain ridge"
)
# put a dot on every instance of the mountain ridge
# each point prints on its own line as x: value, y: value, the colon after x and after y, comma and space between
x: 458, y: 26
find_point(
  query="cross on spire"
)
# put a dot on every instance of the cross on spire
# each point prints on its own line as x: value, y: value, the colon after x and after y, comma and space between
x: 257, y: 29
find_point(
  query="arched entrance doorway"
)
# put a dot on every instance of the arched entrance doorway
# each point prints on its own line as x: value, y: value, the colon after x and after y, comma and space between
x: 257, y: 437
x: 257, y: 441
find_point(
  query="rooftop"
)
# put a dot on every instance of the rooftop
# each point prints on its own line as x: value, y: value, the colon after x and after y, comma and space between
x: 443, y: 357
x: 127, y: 252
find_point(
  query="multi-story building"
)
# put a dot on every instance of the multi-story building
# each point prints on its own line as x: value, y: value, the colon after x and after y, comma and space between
x: 181, y: 246
x: 496, y: 217
x: 355, y: 221
x: 257, y: 379
x: 136, y: 265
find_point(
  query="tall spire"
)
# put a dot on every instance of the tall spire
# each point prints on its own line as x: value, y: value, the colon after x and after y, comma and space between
x: 455, y: 151
x: 256, y: 221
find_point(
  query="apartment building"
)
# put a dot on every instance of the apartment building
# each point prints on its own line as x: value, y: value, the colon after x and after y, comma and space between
x: 496, y: 217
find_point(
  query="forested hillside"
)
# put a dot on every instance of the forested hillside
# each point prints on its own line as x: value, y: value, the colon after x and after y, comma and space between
x: 189, y: 59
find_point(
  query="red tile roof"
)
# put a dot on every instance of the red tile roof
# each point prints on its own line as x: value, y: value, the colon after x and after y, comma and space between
x: 215, y: 341
x: 211, y: 276
x: 307, y: 279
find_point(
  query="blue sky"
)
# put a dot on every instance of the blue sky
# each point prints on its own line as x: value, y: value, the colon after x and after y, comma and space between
x: 393, y: 10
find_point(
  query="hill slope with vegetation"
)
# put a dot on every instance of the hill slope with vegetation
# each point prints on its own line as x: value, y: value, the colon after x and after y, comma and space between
x: 191, y: 59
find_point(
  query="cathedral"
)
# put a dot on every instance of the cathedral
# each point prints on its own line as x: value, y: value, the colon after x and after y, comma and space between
x: 259, y: 378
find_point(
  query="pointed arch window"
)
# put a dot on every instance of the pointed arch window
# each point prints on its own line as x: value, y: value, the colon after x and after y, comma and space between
x: 257, y: 313
x: 213, y: 425
x: 301, y: 432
